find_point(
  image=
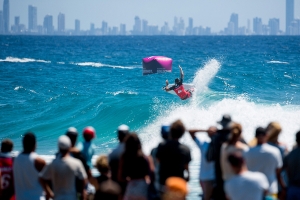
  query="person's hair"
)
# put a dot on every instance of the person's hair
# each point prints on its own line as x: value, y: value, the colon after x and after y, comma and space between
x: 29, y: 142
x: 108, y: 190
x: 273, y: 130
x: 6, y: 146
x: 102, y: 164
x: 235, y: 159
x: 132, y: 144
x: 177, y: 129
x: 87, y: 138
x: 260, y: 132
x: 177, y: 80
x: 122, y: 134
x: 298, y: 138
x: 73, y: 138
x: 235, y: 131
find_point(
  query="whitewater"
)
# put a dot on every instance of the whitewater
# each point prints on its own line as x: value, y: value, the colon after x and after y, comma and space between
x: 48, y: 84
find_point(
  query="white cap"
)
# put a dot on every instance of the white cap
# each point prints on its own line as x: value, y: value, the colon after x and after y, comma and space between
x: 64, y: 142
x: 123, y: 127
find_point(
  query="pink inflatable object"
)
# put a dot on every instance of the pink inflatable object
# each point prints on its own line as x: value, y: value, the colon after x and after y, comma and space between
x: 156, y: 64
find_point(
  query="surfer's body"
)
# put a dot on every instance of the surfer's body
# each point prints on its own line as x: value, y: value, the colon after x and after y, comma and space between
x: 178, y: 88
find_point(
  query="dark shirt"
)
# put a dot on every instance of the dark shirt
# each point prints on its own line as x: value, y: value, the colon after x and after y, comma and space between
x: 176, y: 85
x: 173, y: 157
x: 292, y: 163
x: 135, y: 167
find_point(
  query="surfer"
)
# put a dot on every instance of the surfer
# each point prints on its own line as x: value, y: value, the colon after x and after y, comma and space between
x: 178, y: 87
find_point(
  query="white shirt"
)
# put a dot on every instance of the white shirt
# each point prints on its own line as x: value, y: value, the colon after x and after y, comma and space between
x: 246, y: 186
x: 207, y: 169
x: 26, y: 177
x: 265, y: 159
x: 62, y: 172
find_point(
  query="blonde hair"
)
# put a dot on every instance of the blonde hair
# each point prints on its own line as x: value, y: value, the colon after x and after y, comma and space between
x: 273, y: 131
x: 102, y: 164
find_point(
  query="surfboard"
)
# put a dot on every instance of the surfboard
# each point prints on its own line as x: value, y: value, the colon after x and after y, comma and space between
x: 187, y: 86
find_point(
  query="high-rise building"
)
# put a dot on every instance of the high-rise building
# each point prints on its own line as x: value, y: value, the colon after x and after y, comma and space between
x: 122, y: 29
x: 48, y: 24
x: 137, y: 28
x: 77, y: 26
x: 249, y: 27
x: 6, y: 16
x: 92, y: 29
x: 230, y: 29
x: 189, y: 30
x: 274, y: 26
x: 234, y: 18
x: 145, y: 27
x: 32, y: 18
x: 165, y: 29
x: 1, y: 22
x: 289, y: 15
x: 61, y: 23
x: 257, y: 26
x: 104, y: 28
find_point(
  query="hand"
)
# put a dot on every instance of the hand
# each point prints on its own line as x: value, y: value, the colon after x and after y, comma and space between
x: 167, y: 82
x: 179, y: 66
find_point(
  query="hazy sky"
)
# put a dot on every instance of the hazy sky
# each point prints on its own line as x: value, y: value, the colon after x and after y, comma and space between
x: 211, y: 13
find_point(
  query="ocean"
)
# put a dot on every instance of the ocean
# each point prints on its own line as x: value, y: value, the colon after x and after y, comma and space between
x: 48, y: 84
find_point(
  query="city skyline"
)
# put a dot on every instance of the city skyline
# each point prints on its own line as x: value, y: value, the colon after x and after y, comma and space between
x: 213, y: 14
x: 234, y: 26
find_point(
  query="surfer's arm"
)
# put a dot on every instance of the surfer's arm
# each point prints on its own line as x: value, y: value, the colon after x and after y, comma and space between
x: 181, y: 72
x: 166, y: 87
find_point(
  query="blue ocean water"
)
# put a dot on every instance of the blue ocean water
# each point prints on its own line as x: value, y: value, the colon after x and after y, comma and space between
x: 48, y: 84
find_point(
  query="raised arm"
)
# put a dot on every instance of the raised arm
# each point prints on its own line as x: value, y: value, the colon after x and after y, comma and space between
x: 181, y: 72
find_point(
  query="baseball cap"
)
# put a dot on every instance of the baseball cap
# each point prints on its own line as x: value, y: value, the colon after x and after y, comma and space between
x: 177, y: 184
x: 72, y: 131
x: 165, y: 131
x: 123, y: 127
x: 89, y: 131
x: 64, y: 142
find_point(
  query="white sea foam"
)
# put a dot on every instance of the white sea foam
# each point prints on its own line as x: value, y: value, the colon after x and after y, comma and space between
x: 18, y: 87
x: 277, y: 62
x: 122, y: 92
x: 96, y: 64
x: 23, y: 60
x: 287, y: 76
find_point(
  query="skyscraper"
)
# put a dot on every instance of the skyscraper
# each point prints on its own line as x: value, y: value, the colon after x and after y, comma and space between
x: 32, y: 18
x: 234, y: 18
x: 6, y: 16
x: 145, y: 27
x: 122, y: 29
x: 104, y: 28
x: 289, y: 15
x: 1, y: 22
x: 257, y: 26
x: 77, y: 26
x: 137, y: 28
x: 61, y: 23
x: 189, y: 30
x: 274, y: 26
x: 48, y: 24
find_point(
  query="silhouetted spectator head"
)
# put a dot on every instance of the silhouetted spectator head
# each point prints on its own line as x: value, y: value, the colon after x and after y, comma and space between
x: 175, y: 189
x: 298, y: 138
x: 236, y: 161
x: 64, y: 144
x: 72, y: 133
x: 226, y: 120
x: 89, y: 133
x: 235, y: 132
x: 260, y: 135
x: 29, y: 142
x: 273, y: 130
x: 211, y: 131
x: 6, y: 146
x: 123, y: 130
x: 165, y: 132
x: 177, y: 129
x: 132, y: 144
x: 108, y: 190
x: 102, y: 164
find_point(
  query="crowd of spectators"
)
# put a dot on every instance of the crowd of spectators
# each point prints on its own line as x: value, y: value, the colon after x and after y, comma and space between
x: 230, y: 168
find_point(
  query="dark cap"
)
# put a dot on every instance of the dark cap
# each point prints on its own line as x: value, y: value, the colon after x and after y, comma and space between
x: 260, y: 131
x: 165, y: 131
x: 226, y: 119
x: 72, y: 131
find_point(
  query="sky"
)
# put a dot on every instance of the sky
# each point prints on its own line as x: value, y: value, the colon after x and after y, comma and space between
x: 207, y: 13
